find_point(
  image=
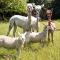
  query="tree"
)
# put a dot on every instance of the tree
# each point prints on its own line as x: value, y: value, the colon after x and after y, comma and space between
x: 37, y: 2
x: 12, y: 6
x: 15, y: 5
x: 56, y: 7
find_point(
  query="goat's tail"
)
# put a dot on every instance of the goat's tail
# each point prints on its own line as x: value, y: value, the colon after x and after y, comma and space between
x: 14, y: 23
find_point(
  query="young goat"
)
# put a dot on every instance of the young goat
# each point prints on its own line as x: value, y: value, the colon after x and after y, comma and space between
x: 34, y: 37
x: 10, y: 42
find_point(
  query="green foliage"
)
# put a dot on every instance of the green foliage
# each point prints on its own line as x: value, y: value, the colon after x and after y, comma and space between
x: 56, y: 6
x: 36, y: 1
x: 13, y: 5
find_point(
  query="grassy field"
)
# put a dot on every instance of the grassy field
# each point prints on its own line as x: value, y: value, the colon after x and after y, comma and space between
x: 36, y: 52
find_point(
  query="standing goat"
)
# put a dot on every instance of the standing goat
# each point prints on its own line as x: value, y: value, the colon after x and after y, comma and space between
x: 27, y: 23
x: 34, y: 37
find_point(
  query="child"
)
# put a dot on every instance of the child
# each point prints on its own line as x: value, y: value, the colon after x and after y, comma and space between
x: 51, y: 25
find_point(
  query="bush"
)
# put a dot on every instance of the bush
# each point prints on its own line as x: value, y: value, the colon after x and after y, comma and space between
x: 12, y: 6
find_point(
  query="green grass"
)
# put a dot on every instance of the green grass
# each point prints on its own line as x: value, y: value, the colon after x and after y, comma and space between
x: 36, y: 52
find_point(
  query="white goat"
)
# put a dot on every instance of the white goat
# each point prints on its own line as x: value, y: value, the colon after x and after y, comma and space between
x: 23, y: 22
x: 34, y: 37
x: 11, y: 42
x: 8, y: 41
x: 39, y: 7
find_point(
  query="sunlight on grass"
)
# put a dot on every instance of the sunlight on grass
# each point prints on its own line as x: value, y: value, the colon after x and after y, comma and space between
x: 35, y: 51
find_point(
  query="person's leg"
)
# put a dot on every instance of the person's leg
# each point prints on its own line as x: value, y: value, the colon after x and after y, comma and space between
x: 52, y: 36
x: 48, y: 36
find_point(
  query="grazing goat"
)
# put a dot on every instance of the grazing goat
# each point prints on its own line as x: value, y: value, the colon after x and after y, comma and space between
x: 51, y: 30
x: 8, y: 41
x: 27, y: 23
x: 34, y: 37
x: 11, y: 42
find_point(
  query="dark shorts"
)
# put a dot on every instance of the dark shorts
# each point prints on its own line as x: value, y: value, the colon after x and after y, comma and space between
x: 50, y: 31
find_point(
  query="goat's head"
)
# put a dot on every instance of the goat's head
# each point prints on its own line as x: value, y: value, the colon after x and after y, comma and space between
x: 29, y: 7
x: 21, y: 40
x: 22, y: 37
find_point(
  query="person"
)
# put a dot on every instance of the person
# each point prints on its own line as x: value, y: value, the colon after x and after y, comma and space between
x: 34, y: 12
x: 49, y: 15
x: 51, y: 24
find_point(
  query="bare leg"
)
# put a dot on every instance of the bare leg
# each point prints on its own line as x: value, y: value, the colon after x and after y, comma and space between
x: 52, y: 36
x: 48, y: 36
x: 10, y: 27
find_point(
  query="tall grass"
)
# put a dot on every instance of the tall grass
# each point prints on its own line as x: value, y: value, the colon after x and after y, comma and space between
x: 35, y: 52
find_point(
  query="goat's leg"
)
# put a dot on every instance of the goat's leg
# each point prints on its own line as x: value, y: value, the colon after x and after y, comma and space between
x: 10, y: 27
x: 42, y: 42
x: 24, y: 30
x: 37, y: 26
x: 32, y: 30
x: 18, y: 49
x: 37, y: 29
x: 18, y: 54
x: 14, y: 31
